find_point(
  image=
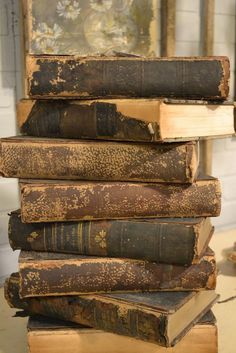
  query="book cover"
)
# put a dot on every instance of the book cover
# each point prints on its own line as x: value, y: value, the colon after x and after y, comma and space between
x: 54, y: 200
x: 41, y: 158
x: 166, y: 240
x: 52, y: 274
x: 117, y: 77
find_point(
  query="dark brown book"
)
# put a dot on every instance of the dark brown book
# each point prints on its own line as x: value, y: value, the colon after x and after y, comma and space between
x: 46, y: 335
x: 144, y: 120
x: 166, y: 240
x: 51, y: 201
x: 161, y: 317
x: 51, y: 274
x: 38, y: 158
x: 117, y: 77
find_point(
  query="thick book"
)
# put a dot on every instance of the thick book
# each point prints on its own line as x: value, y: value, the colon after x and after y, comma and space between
x: 90, y: 27
x: 117, y: 77
x: 60, y: 200
x: 166, y: 240
x: 143, y: 120
x: 161, y: 317
x: 41, y: 158
x: 46, y: 335
x: 52, y: 274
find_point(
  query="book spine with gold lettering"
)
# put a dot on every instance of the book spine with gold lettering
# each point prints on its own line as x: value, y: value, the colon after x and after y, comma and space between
x: 173, y: 241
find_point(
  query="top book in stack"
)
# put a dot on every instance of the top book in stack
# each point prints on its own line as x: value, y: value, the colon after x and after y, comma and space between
x: 127, y: 76
x: 69, y: 43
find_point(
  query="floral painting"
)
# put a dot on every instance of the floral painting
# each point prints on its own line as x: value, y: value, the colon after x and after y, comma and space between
x: 89, y: 27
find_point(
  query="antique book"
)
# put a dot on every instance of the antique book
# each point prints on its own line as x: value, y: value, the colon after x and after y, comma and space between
x: 52, y: 274
x: 160, y: 317
x: 42, y: 158
x: 46, y: 335
x: 143, y: 120
x: 60, y: 200
x: 166, y: 240
x: 90, y: 27
x: 117, y: 77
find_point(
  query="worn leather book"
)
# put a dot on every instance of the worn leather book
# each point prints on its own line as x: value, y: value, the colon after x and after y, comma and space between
x: 166, y: 240
x: 144, y: 120
x: 27, y: 157
x: 51, y: 274
x: 161, y: 317
x: 55, y: 200
x: 117, y: 77
x: 46, y: 335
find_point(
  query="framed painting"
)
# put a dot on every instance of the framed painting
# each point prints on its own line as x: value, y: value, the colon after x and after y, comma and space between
x: 90, y: 27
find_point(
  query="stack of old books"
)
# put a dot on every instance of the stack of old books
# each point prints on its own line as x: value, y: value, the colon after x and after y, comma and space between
x: 114, y: 223
x: 114, y: 234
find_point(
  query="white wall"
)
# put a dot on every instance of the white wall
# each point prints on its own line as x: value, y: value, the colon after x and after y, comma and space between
x: 224, y: 151
x: 187, y: 43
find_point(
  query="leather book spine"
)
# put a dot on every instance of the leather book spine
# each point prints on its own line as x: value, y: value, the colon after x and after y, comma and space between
x: 11, y: 292
x: 106, y: 120
x: 68, y: 76
x: 157, y: 240
x: 101, y: 275
x: 69, y: 201
x: 36, y: 158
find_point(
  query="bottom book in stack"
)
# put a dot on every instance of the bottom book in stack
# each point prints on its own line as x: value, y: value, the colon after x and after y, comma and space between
x: 47, y: 335
x: 158, y: 317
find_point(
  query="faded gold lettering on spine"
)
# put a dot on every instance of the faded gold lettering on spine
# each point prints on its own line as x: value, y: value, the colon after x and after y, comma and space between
x: 62, y: 235
x: 80, y: 235
x: 74, y: 236
x: 90, y: 245
x: 44, y: 239
x: 100, y: 239
x: 54, y: 240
